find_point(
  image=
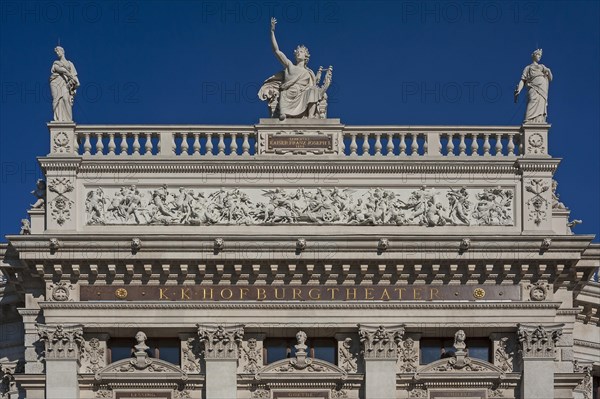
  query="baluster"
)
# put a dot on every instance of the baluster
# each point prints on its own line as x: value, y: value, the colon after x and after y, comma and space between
x: 402, y: 145
x: 111, y: 144
x: 221, y: 144
x: 245, y: 145
x: 148, y: 145
x: 450, y: 145
x: 474, y: 146
x: 390, y: 144
x: 99, y: 144
x: 462, y: 146
x: 173, y: 145
x: 511, y: 144
x: 209, y: 144
x: 124, y: 145
x: 426, y: 145
x: 87, y: 145
x: 378, y: 145
x: 234, y: 147
x: 365, y: 146
x: 498, y: 145
x: 136, y: 144
x: 184, y: 144
x: 353, y: 145
x: 486, y: 145
x: 196, y: 144
x: 414, y: 146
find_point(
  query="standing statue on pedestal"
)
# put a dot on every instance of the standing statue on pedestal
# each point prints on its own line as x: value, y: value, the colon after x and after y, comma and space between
x: 295, y: 91
x: 537, y: 78
x: 63, y: 85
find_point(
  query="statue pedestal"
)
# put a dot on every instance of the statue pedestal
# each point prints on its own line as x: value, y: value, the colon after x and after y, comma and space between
x: 37, y: 217
x: 299, y: 137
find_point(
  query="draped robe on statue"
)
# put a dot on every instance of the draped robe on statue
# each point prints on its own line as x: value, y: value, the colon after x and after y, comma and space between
x: 534, y: 76
x: 297, y: 90
x: 62, y: 97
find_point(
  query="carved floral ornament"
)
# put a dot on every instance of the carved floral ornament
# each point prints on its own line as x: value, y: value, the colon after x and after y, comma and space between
x: 380, y: 341
x: 220, y: 342
x: 411, y: 207
x: 539, y: 341
x: 60, y: 206
x: 537, y: 204
x: 61, y: 342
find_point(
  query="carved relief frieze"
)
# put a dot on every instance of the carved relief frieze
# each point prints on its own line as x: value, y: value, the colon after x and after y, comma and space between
x: 408, y: 356
x: 8, y: 385
x: 60, y: 206
x: 504, y: 353
x: 380, y: 342
x: 93, y: 355
x: 537, y: 204
x: 261, y: 394
x: 538, y: 341
x: 252, y: 356
x: 61, y: 342
x: 347, y: 356
x: 190, y: 355
x: 586, y: 386
x: 415, y: 207
x: 60, y: 291
x: 219, y: 342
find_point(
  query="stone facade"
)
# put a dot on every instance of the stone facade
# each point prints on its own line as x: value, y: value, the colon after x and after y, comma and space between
x: 298, y: 256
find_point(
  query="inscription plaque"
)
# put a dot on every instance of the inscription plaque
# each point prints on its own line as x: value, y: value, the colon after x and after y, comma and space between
x: 293, y: 142
x: 220, y: 293
x: 300, y: 395
x: 141, y: 394
x: 462, y: 394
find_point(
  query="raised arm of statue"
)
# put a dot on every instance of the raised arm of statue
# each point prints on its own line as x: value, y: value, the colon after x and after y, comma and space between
x: 278, y: 53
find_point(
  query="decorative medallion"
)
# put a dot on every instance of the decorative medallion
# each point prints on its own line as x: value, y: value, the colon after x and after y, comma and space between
x: 479, y: 293
x: 121, y: 293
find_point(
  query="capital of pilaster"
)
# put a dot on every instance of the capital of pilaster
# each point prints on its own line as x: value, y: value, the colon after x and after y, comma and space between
x: 537, y: 341
x: 380, y: 342
x: 61, y: 342
x: 220, y: 342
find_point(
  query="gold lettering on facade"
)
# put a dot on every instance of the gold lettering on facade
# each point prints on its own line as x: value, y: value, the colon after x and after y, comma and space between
x: 163, y: 294
x: 348, y: 293
x: 310, y: 293
x: 210, y: 291
x: 433, y: 293
x: 417, y: 293
x: 243, y: 293
x: 277, y: 296
x: 261, y: 294
x: 297, y: 293
x: 369, y: 293
x: 400, y: 290
x: 228, y: 296
x: 185, y: 293
x: 385, y: 296
x: 333, y: 291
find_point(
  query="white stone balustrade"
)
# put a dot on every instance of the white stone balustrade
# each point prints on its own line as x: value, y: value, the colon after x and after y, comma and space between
x: 356, y: 141
x: 152, y: 141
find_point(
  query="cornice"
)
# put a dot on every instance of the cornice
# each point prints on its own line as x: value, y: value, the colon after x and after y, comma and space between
x: 587, y: 344
x: 308, y: 164
x: 286, y: 306
x: 538, y: 164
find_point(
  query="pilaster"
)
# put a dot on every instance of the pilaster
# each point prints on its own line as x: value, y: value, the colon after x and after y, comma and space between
x: 538, y: 352
x: 221, y: 349
x: 63, y: 350
x: 380, y: 352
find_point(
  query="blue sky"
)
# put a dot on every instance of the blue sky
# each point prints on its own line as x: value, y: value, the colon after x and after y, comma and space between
x: 405, y: 62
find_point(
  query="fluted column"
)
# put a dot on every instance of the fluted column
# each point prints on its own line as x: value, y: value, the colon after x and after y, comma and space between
x: 538, y: 351
x: 62, y: 354
x: 380, y: 353
x: 221, y: 346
